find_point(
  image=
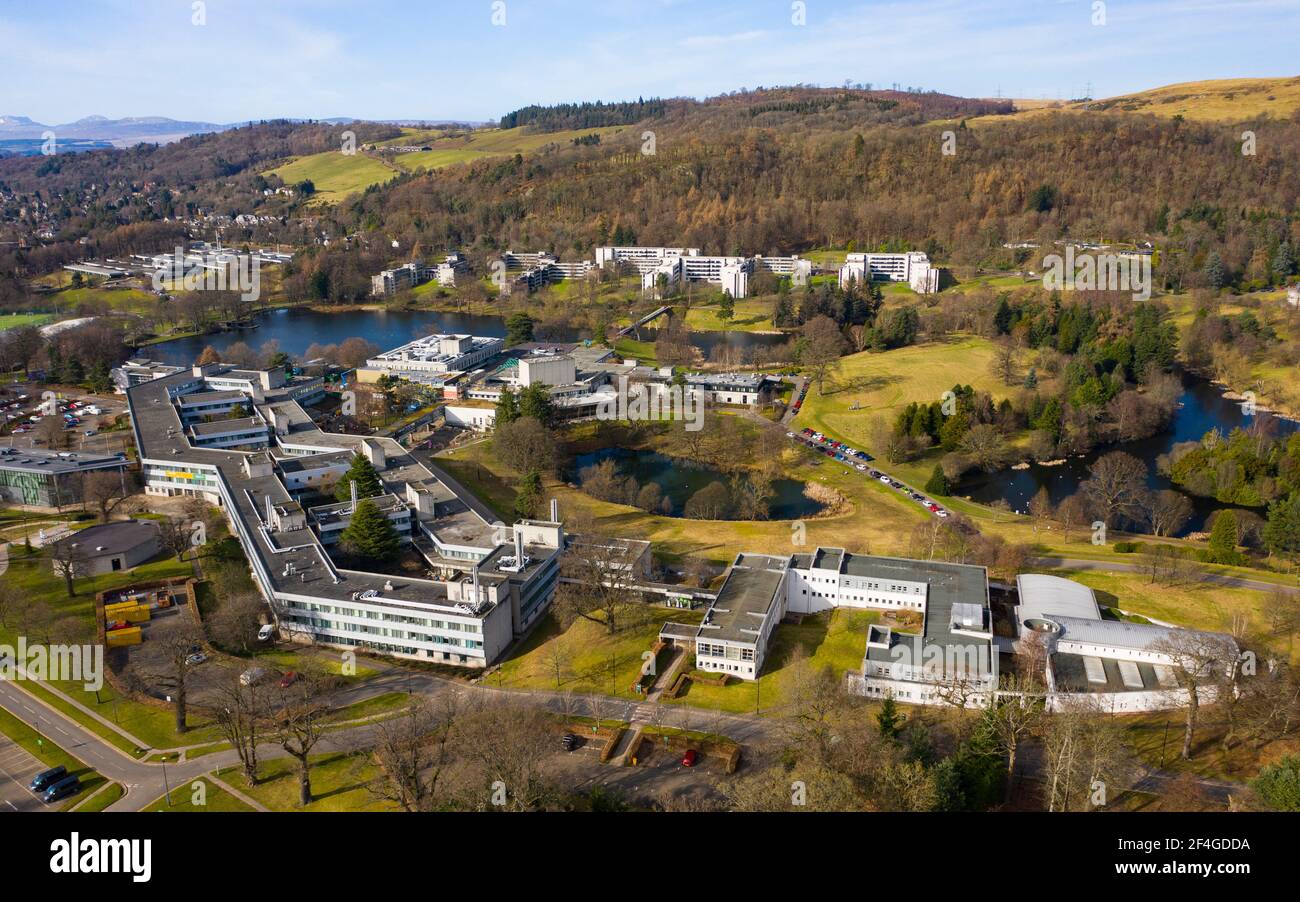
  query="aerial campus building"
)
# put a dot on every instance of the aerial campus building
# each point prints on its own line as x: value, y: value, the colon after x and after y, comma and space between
x: 946, y: 640
x: 401, y: 278
x: 44, y: 478
x: 482, y: 584
x: 913, y: 267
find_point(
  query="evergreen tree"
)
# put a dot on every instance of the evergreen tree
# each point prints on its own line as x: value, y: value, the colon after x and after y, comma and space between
x: 937, y: 484
x: 1223, y: 538
x: 1216, y: 276
x: 361, y: 471
x: 370, y: 535
x: 1282, y: 532
x: 528, y: 498
x: 888, y: 719
x: 535, y: 401
x: 507, y: 407
x: 519, y: 329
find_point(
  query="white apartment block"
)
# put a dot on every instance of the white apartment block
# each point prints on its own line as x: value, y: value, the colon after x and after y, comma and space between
x: 913, y: 268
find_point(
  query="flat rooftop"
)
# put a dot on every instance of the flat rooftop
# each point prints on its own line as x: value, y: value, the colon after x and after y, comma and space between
x: 40, y: 460
x: 744, y: 599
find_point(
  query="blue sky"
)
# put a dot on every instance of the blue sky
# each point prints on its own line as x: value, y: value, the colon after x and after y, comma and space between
x: 383, y: 59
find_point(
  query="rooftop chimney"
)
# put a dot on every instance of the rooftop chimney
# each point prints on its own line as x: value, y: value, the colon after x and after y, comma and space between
x: 519, y: 547
x: 555, y: 510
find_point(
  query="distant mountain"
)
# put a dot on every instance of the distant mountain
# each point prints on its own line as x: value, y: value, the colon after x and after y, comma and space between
x: 119, y: 132
x: 102, y: 131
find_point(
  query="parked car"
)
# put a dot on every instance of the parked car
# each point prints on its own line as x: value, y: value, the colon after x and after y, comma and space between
x: 861, y: 466
x: 47, y: 778
x: 252, y: 676
x: 61, y: 790
x: 884, y: 479
x: 570, y: 742
x: 691, y: 758
x: 266, y: 632
x: 288, y: 679
x: 195, y: 659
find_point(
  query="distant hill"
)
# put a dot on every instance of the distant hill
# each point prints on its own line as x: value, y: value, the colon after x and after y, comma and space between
x: 1214, y: 100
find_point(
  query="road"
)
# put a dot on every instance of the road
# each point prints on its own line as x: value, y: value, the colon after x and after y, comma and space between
x: 144, y: 782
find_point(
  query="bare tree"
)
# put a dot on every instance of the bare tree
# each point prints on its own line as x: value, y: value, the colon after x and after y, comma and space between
x: 412, y: 752
x: 241, y: 714
x: 1015, y: 715
x: 1168, y: 512
x: 235, y: 624
x: 104, y: 491
x: 505, y: 742
x: 169, y: 667
x: 1116, y: 487
x: 1200, y: 661
x: 598, y: 575
x: 825, y: 344
x: 815, y: 699
x: 69, y: 561
x: 1084, y: 757
x: 300, y: 723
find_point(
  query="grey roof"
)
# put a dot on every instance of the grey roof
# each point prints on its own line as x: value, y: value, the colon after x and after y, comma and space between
x: 745, y: 599
x: 38, y: 460
x: 221, y: 427
x: 112, y: 538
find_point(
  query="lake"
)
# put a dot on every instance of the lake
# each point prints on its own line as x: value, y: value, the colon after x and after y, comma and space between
x: 296, y: 330
x: 1203, y: 408
x: 680, y: 479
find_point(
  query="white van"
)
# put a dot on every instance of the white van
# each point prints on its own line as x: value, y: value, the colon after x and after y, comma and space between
x: 266, y: 632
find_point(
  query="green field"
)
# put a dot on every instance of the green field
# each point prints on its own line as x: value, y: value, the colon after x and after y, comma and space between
x: 750, y: 315
x: 870, y: 384
x: 14, y: 320
x: 337, y: 175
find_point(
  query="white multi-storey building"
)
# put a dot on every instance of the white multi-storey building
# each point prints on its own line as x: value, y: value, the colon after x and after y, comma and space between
x: 913, y: 268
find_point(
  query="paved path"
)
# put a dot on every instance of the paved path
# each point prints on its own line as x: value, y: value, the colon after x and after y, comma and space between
x: 4, y: 557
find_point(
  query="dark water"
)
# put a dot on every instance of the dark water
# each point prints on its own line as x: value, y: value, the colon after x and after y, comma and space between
x: 1203, y: 408
x: 680, y: 479
x: 296, y: 330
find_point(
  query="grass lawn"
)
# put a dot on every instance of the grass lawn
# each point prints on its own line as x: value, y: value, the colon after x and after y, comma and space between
x: 588, y: 652
x: 641, y: 351
x: 338, y: 783
x: 884, y: 383
x: 183, y: 798
x: 14, y: 320
x: 836, y: 639
x: 751, y: 315
x: 102, y: 799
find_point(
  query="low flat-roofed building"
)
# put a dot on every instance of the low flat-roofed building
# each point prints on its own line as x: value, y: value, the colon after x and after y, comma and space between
x: 42, y: 478
x: 109, y: 547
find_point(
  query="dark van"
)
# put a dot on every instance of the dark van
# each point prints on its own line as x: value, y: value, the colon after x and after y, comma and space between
x: 62, y: 789
x: 45, y: 778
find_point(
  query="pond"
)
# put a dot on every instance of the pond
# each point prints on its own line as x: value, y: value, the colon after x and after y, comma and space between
x: 680, y: 479
x: 1203, y: 408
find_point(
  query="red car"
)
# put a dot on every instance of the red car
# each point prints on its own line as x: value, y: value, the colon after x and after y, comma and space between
x: 933, y: 508
x: 690, y: 758
x: 288, y: 679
